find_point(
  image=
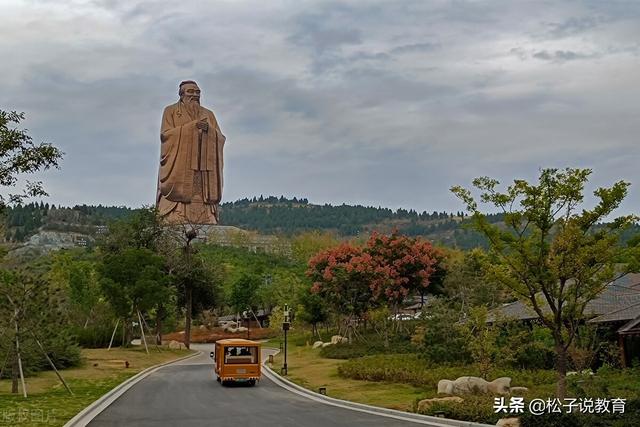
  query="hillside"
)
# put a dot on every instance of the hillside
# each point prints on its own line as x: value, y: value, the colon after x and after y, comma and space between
x: 266, y: 215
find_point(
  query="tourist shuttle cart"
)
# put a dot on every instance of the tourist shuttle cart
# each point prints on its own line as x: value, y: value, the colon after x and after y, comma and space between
x: 237, y: 360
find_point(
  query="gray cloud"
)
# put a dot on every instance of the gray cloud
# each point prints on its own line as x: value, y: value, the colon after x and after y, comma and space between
x: 561, y: 55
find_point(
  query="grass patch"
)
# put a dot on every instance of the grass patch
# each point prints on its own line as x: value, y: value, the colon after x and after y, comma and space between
x: 50, y: 404
x: 308, y: 369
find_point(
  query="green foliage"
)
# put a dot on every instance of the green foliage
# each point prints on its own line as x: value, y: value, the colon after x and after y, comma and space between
x: 32, y: 308
x: 312, y: 309
x: 368, y: 347
x: 478, y: 409
x: 440, y: 338
x: 20, y: 155
x: 411, y: 369
x: 97, y: 335
x: 482, y: 340
x: 243, y: 292
x: 133, y: 280
x: 466, y: 283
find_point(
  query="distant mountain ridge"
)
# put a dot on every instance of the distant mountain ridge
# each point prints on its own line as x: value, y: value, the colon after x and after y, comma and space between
x: 265, y: 215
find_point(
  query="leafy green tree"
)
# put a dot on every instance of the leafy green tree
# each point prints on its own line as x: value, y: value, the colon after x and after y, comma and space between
x: 20, y: 155
x: 197, y: 282
x: 33, y: 309
x: 440, y: 337
x: 314, y: 310
x: 551, y: 252
x: 142, y: 229
x: 75, y: 272
x: 134, y: 280
x: 482, y: 340
x: 466, y: 283
x: 243, y: 293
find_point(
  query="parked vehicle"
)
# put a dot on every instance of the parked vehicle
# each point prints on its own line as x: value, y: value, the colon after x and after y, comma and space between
x: 237, y: 360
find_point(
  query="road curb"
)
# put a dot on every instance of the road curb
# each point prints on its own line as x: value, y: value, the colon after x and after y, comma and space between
x: 85, y: 416
x: 361, y: 407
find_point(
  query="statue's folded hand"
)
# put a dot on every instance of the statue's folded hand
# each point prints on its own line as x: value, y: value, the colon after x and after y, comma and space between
x: 202, y: 124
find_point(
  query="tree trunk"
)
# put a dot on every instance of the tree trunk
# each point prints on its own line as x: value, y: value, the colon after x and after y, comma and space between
x: 561, y: 370
x: 14, y: 372
x: 159, y: 315
x: 126, y: 333
x: 187, y: 317
x: 15, y: 368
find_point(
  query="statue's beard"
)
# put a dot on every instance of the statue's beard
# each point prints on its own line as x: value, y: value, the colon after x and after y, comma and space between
x: 193, y: 106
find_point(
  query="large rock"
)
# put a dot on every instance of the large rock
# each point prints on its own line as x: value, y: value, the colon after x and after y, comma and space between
x: 470, y: 385
x: 230, y: 325
x: 337, y: 339
x: 474, y: 385
x: 445, y: 387
x: 326, y: 344
x: 317, y: 344
x: 518, y: 390
x: 499, y: 385
x: 508, y: 422
x: 175, y: 345
x: 425, y: 404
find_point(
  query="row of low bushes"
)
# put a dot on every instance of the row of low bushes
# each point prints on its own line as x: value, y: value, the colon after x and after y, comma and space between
x: 368, y: 347
x: 411, y: 369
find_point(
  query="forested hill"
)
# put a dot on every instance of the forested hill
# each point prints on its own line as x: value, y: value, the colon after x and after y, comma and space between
x: 266, y: 215
x: 273, y: 215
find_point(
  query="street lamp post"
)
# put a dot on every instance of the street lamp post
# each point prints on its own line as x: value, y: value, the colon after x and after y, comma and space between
x: 285, y: 327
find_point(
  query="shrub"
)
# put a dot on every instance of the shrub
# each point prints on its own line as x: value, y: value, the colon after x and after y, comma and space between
x: 368, y: 347
x: 474, y: 408
x: 409, y: 368
x: 440, y: 338
x: 97, y: 336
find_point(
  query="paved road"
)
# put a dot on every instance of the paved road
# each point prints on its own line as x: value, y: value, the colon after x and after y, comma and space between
x: 186, y: 394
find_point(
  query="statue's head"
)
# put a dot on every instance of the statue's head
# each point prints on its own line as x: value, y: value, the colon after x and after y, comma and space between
x: 189, y: 92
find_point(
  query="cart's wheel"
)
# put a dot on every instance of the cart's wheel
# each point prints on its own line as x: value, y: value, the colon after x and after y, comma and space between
x: 252, y: 383
x: 218, y: 378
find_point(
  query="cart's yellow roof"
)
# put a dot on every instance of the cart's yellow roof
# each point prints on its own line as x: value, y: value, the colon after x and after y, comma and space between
x: 238, y: 341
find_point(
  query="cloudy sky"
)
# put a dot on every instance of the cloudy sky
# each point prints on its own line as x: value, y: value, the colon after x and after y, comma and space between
x: 384, y: 103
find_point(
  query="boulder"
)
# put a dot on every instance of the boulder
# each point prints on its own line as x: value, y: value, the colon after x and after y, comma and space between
x: 326, y: 344
x: 470, y: 385
x: 445, y: 387
x: 317, y: 344
x: 229, y: 325
x: 499, y: 385
x: 241, y: 329
x: 423, y: 405
x: 508, y: 422
x: 175, y: 345
x: 337, y: 339
x: 518, y: 390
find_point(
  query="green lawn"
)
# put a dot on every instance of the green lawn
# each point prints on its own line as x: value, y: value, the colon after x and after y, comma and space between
x: 49, y: 403
x: 311, y: 371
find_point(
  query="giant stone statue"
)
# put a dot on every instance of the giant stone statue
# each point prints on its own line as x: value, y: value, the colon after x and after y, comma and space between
x: 190, y: 176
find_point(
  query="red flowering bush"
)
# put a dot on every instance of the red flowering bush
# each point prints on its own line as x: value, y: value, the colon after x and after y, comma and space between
x: 385, y: 270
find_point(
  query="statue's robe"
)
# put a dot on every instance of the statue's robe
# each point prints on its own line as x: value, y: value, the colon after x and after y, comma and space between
x: 191, y: 163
